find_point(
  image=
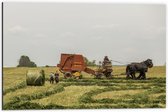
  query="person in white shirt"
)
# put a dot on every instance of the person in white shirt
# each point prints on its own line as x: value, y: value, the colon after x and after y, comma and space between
x: 51, y: 78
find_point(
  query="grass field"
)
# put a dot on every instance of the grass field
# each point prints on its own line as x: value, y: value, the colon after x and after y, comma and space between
x: 85, y: 93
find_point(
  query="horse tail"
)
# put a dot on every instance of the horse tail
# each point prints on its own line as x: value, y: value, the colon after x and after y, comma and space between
x: 127, y: 68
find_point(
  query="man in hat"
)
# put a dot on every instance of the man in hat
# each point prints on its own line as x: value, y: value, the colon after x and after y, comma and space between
x: 56, y: 77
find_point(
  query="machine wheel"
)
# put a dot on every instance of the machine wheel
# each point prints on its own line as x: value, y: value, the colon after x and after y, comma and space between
x: 67, y: 75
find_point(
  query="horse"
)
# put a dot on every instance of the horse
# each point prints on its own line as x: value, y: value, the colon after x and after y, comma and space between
x: 141, y: 68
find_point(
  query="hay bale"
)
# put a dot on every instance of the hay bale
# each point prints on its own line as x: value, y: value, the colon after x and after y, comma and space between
x: 35, y: 77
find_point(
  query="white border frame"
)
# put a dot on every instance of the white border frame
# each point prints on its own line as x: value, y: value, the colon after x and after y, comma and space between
x: 91, y: 1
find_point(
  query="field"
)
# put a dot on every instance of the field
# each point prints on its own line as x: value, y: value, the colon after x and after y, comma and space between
x: 85, y: 93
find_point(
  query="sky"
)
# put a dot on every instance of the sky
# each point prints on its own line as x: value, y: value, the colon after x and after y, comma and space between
x: 123, y: 32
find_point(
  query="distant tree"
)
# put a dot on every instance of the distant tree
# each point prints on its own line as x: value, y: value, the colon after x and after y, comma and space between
x: 90, y: 63
x: 32, y: 64
x: 86, y: 60
x: 47, y: 66
x: 94, y: 62
x: 25, y: 62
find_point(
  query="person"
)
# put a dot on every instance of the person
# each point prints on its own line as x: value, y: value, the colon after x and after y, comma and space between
x: 51, y: 78
x: 106, y: 58
x: 56, y: 77
x: 105, y: 61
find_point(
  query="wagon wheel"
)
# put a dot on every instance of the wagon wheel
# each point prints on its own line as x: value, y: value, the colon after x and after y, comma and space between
x: 108, y: 75
x: 99, y: 75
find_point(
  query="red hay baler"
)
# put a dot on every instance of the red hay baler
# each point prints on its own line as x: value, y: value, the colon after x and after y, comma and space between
x: 73, y: 64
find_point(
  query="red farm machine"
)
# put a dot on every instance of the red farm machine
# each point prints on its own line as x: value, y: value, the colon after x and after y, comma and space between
x: 71, y: 65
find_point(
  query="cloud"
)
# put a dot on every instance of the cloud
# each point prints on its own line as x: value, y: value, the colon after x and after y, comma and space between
x: 129, y: 50
x: 40, y: 35
x: 96, y: 38
x: 17, y: 29
x: 105, y: 26
x: 67, y: 35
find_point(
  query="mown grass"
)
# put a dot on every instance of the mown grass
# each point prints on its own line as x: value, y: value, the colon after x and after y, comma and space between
x: 68, y: 97
x: 117, y: 94
x: 139, y: 99
x: 18, y: 100
x: 14, y: 88
x: 29, y: 90
x: 88, y: 92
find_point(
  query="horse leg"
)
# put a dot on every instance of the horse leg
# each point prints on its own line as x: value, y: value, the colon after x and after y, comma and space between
x: 133, y: 76
x: 144, y: 76
x: 128, y: 75
x: 140, y: 75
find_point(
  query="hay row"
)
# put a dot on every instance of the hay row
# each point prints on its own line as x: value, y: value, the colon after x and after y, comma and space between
x: 14, y: 88
x: 138, y: 99
x: 158, y: 82
x: 30, y: 105
x: 120, y: 80
x: 23, y: 98
x: 87, y: 97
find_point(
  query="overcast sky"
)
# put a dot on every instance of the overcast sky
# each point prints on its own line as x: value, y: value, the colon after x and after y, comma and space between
x: 123, y: 32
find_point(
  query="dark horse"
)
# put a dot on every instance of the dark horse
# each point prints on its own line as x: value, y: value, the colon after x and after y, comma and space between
x: 141, y: 68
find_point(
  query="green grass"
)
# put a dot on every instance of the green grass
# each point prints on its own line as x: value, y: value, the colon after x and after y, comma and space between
x: 87, y: 92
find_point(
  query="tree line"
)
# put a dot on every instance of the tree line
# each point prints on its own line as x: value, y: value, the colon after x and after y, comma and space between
x: 25, y: 61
